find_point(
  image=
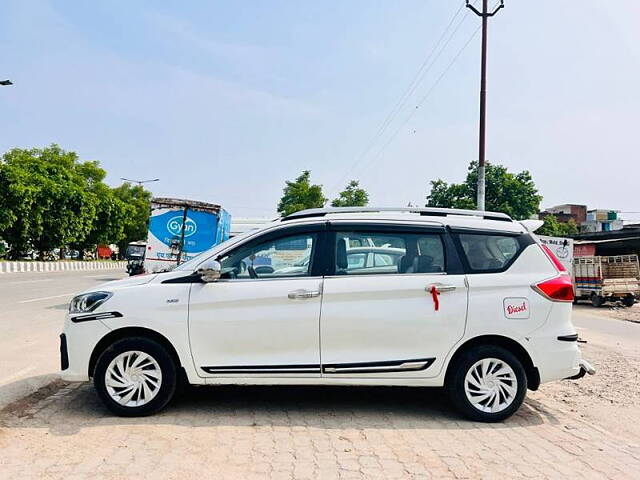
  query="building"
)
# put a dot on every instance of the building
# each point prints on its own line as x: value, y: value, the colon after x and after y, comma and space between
x: 242, y: 225
x: 588, y: 221
x: 622, y: 241
x: 567, y: 211
x: 601, y: 221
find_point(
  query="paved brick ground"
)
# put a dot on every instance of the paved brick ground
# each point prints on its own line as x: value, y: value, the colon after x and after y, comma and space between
x: 63, y: 431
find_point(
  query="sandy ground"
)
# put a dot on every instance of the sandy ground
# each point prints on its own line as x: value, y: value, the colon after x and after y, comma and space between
x: 608, y: 399
x: 631, y: 314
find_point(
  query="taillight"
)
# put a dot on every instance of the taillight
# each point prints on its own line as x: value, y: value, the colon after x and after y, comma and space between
x: 559, y: 266
x: 557, y: 289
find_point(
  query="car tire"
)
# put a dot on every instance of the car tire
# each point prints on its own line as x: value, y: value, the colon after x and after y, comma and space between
x: 491, y: 397
x: 597, y: 301
x: 135, y: 377
x: 629, y: 301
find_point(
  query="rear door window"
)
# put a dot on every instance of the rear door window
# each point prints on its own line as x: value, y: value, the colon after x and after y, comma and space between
x: 363, y: 252
x: 490, y: 253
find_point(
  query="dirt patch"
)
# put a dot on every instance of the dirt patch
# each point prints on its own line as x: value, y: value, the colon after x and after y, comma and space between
x: 613, y: 310
x: 26, y: 406
x: 619, y: 311
x: 610, y: 397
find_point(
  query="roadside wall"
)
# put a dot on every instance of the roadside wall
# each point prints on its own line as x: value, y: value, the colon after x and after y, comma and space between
x: 9, y: 267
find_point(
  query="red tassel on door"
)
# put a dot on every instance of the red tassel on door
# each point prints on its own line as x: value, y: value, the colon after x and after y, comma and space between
x: 434, y: 295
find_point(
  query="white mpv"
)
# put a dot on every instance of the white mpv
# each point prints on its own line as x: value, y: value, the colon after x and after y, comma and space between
x: 417, y: 297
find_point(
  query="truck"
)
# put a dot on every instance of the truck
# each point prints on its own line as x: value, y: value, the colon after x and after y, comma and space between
x: 601, y: 279
x: 182, y: 229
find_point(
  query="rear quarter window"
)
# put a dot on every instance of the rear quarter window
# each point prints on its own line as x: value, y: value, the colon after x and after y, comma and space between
x: 490, y: 253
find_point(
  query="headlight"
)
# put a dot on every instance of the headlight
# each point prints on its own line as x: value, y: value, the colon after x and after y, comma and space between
x: 87, y: 302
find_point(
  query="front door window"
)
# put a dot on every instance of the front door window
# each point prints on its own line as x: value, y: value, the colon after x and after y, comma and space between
x: 288, y: 256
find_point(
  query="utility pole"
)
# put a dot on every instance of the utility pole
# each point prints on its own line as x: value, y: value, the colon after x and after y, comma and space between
x: 484, y: 14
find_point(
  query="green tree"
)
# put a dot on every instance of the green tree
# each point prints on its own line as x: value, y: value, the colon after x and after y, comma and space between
x: 137, y: 204
x: 352, y: 196
x: 553, y: 228
x: 108, y: 223
x: 17, y: 196
x: 570, y: 228
x: 513, y: 194
x: 44, y: 200
x: 300, y: 194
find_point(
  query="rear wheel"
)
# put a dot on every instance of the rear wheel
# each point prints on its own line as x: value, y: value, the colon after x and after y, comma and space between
x: 487, y: 384
x: 629, y: 301
x: 596, y: 300
x: 135, y: 377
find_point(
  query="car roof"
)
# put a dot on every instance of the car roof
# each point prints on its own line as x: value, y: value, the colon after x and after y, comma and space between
x: 471, y: 219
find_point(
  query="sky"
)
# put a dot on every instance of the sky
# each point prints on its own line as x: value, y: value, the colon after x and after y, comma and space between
x: 224, y: 101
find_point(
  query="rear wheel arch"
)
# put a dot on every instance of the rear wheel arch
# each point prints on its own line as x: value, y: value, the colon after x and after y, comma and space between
x: 533, y: 376
x: 129, y: 332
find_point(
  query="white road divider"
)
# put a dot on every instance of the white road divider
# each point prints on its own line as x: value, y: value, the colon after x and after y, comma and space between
x: 10, y: 267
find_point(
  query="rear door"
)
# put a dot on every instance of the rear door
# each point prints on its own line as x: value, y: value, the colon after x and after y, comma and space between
x: 384, y: 321
x: 501, y: 269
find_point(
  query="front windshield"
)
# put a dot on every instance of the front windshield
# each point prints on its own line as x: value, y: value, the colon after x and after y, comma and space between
x: 193, y: 262
x: 135, y: 250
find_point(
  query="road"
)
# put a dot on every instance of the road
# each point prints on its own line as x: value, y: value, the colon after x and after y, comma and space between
x: 588, y: 428
x: 31, y: 319
x: 590, y: 322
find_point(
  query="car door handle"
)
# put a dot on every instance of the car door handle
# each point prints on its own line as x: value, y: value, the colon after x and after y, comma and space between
x: 441, y: 287
x: 298, y: 294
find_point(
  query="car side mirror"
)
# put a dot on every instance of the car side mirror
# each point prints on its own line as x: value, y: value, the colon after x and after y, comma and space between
x: 209, y: 271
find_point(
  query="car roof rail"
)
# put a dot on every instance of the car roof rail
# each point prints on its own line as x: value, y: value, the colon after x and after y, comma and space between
x: 423, y: 211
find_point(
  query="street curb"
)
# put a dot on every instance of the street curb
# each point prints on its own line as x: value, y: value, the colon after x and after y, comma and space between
x: 11, y: 267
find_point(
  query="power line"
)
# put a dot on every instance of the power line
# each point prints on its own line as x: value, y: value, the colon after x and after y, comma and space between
x: 422, y: 71
x: 426, y: 96
x: 425, y: 67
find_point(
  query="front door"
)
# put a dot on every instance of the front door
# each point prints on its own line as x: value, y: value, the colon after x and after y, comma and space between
x: 262, y: 317
x: 380, y: 318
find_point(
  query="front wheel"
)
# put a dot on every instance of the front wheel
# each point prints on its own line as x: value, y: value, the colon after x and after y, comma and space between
x: 135, y: 377
x: 487, y: 384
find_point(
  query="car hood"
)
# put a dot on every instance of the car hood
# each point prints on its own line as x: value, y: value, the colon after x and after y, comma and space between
x: 124, y: 283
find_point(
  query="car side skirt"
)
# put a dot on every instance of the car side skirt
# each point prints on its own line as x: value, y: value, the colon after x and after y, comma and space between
x: 329, y: 369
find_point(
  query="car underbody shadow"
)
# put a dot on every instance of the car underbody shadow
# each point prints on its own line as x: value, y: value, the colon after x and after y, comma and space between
x: 66, y: 409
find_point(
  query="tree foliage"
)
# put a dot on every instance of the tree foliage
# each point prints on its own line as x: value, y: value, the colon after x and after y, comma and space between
x: 50, y: 199
x: 512, y: 193
x: 352, y: 196
x: 138, y: 205
x: 553, y: 228
x: 300, y: 194
x: 45, y: 202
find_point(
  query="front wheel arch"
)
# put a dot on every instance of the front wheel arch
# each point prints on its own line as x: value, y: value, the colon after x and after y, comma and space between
x: 533, y: 375
x: 127, y: 332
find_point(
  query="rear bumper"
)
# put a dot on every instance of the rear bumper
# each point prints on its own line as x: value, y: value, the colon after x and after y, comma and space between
x: 585, y: 367
x: 555, y: 358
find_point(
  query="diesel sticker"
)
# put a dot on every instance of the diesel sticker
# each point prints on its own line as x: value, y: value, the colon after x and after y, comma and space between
x: 516, y: 307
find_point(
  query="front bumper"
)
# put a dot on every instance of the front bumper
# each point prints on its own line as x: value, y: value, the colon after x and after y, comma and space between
x: 77, y: 343
x: 64, y: 354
